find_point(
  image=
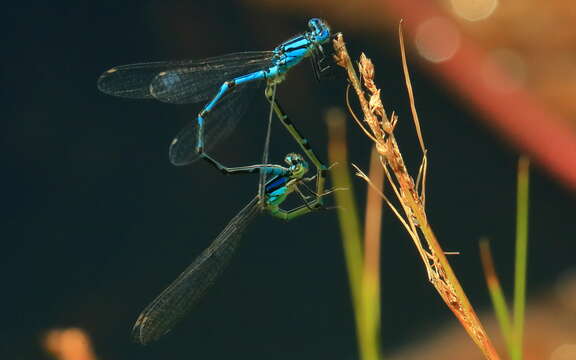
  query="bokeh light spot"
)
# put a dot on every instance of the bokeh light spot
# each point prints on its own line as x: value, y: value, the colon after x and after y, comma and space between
x: 437, y: 40
x: 474, y: 10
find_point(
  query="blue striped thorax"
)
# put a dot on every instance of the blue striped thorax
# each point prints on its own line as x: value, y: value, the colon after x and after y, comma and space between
x: 293, y: 51
x: 281, y: 185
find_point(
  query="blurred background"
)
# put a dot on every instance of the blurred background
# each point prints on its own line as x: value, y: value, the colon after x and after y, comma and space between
x: 96, y: 221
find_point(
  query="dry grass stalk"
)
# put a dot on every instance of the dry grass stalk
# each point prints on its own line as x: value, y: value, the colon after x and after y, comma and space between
x: 371, y: 273
x: 410, y: 194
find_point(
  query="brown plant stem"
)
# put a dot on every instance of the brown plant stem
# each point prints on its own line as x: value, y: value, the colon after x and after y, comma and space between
x: 380, y: 129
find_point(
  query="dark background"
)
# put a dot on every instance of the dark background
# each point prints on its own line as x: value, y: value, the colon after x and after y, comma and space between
x: 96, y: 221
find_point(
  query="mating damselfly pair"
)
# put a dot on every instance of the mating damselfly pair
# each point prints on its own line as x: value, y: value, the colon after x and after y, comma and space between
x: 227, y: 83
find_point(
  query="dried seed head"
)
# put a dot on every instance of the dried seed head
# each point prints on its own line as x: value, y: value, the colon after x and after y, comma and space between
x: 339, y: 57
x: 366, y: 68
x: 375, y: 104
x: 387, y: 127
x: 382, y: 149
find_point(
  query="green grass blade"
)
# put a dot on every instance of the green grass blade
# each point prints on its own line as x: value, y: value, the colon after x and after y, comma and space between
x: 521, y: 256
x: 349, y: 223
x: 496, y: 294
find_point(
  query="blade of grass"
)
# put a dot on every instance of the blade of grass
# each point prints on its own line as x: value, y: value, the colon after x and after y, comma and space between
x: 371, y: 273
x: 521, y: 256
x: 349, y: 225
x: 496, y: 293
x: 409, y: 90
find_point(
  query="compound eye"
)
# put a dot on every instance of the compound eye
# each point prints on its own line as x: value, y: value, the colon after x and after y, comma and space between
x: 313, y: 24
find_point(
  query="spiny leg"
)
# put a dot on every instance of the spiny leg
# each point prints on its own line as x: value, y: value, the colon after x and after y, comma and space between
x: 323, y: 65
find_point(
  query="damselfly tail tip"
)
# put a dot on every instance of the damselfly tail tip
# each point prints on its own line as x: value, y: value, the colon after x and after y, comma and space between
x: 139, y: 335
x: 102, y: 82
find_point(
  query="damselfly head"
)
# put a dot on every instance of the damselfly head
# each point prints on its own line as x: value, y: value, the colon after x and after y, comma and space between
x: 319, y: 29
x: 296, y: 164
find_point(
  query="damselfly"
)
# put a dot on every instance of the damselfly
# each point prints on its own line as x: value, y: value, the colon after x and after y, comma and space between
x: 177, y: 299
x: 227, y: 81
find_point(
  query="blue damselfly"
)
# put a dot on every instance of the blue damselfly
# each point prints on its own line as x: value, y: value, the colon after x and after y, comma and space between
x: 228, y: 82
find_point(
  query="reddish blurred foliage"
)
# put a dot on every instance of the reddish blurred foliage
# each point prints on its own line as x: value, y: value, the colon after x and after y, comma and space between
x: 515, y: 63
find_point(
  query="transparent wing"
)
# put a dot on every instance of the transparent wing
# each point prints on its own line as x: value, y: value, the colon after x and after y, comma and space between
x: 176, y: 300
x: 194, y: 84
x: 180, y: 81
x: 220, y: 123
